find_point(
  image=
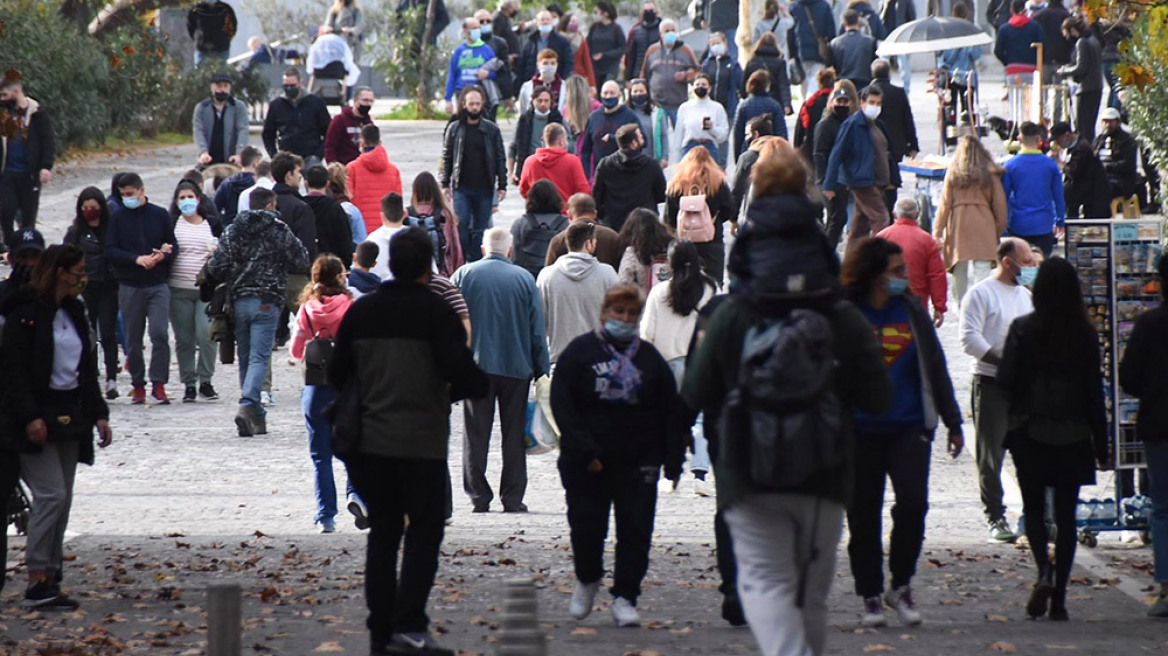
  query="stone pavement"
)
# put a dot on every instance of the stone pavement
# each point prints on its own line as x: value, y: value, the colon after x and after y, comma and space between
x: 179, y: 501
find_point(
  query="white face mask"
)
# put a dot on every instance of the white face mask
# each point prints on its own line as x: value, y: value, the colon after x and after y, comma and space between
x: 548, y: 71
x: 871, y: 111
x: 717, y: 49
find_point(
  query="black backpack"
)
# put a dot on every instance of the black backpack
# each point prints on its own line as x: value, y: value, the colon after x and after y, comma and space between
x: 318, y: 355
x: 783, y: 421
x: 531, y: 252
x: 433, y: 225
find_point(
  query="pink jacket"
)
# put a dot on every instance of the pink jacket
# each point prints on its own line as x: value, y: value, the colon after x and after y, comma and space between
x: 324, y: 317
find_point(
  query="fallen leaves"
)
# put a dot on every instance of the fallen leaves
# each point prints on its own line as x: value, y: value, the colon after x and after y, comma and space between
x: 1003, y: 648
x: 868, y: 649
x: 993, y: 617
x: 329, y: 647
x: 583, y: 630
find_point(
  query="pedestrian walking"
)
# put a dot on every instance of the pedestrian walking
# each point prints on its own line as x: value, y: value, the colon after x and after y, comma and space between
x: 529, y: 131
x: 986, y: 314
x: 808, y: 41
x: 469, y: 64
x: 372, y: 176
x: 399, y: 465
x: 428, y: 202
x: 26, y: 156
x: 758, y: 133
x: 725, y: 75
x: 220, y: 125
x: 1050, y: 372
x: 554, y: 164
x: 544, y: 37
x: 844, y: 103
x: 573, y: 288
x: 669, y: 67
x: 212, y: 24
x: 323, y: 304
x: 196, y: 240
x: 776, y: 19
x: 532, y: 233
x: 616, y: 402
x: 1012, y: 43
x: 598, y: 139
x: 510, y: 345
x: 971, y: 215
x: 896, y: 444
x: 897, y: 110
x: 342, y: 142
x: 226, y: 197
x: 1034, y: 193
x: 569, y: 28
x: 1086, y: 69
x: 606, y: 42
x: 627, y: 180
x: 814, y: 108
x: 338, y: 188
x: 853, y: 51
x: 700, y: 180
x: 785, y: 532
x: 767, y: 56
x: 1141, y: 374
x: 53, y: 397
x: 333, y: 230
x: 297, y: 122
x: 473, y: 163
x: 653, y: 122
x: 546, y: 76
x: 645, y: 240
x: 642, y: 35
x: 88, y: 232
x: 926, y: 272
x: 255, y: 256
x: 702, y: 123
x: 346, y: 18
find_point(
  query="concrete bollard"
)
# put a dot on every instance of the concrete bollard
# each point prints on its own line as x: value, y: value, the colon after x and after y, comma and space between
x: 224, y: 625
x: 519, y: 632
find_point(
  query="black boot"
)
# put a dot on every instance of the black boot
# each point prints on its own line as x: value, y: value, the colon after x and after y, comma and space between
x: 1040, y: 595
x: 1058, y: 606
x: 732, y: 610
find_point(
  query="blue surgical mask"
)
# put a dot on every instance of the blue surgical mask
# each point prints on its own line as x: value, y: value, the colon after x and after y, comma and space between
x: 1026, y: 275
x: 131, y: 203
x: 669, y: 38
x: 188, y: 206
x: 622, y: 331
x: 610, y: 103
x: 486, y: 29
x: 897, y: 286
x: 475, y: 35
x: 545, y: 29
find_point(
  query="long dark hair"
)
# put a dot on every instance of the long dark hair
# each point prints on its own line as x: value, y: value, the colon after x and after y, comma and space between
x: 189, y: 186
x: 55, y: 257
x: 426, y: 189
x: 689, y: 282
x: 80, y: 225
x: 544, y: 198
x: 1060, y: 320
x: 867, y: 261
x: 645, y: 234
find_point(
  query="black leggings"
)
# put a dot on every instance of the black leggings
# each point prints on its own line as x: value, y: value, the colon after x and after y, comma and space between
x: 101, y: 299
x: 1034, y: 506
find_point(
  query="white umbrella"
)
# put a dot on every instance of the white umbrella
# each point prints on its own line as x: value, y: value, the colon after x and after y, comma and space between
x: 932, y: 34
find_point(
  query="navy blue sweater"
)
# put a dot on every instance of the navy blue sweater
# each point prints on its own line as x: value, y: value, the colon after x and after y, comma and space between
x: 133, y: 233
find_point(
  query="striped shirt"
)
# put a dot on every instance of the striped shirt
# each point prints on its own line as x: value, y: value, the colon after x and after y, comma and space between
x: 195, y: 244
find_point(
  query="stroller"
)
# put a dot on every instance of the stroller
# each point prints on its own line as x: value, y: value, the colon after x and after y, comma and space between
x: 329, y: 83
x: 16, y: 510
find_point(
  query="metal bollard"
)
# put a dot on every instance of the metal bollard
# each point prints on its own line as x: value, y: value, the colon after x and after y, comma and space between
x: 224, y: 631
x: 519, y: 632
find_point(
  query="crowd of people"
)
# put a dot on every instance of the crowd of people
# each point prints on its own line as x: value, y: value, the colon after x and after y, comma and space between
x: 800, y: 382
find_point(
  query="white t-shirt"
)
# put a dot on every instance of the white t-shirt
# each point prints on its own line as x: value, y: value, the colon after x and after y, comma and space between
x: 66, y: 353
x: 986, y: 314
x: 245, y: 195
x: 381, y: 237
x: 195, y: 245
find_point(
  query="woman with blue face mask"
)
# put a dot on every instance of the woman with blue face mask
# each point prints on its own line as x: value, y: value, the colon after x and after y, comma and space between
x: 188, y: 313
x: 615, y: 401
x: 897, y: 444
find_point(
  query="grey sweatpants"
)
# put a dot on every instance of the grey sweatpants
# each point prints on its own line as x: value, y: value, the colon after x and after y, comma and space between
x: 991, y: 421
x: 49, y: 476
x: 778, y: 539
x: 140, y: 305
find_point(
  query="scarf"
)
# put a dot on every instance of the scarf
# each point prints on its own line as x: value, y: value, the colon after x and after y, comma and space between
x: 621, y: 376
x: 804, y: 115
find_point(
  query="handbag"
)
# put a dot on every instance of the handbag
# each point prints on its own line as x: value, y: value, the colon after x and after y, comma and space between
x: 795, y: 71
x: 822, y: 45
x: 318, y: 355
x: 344, y: 413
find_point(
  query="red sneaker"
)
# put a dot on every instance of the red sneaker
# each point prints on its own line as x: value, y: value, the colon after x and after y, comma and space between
x: 138, y: 397
x: 159, y: 394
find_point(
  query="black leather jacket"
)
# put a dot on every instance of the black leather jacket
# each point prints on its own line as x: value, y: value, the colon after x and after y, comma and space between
x: 454, y: 141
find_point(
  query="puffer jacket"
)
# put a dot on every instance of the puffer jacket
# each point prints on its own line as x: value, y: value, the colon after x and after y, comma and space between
x: 255, y: 256
x: 780, y: 250
x: 371, y: 177
x: 455, y: 141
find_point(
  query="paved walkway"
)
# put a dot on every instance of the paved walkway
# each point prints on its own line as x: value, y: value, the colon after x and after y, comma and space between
x: 179, y: 501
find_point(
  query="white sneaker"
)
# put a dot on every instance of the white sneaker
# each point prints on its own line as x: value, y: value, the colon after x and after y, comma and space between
x: 624, y: 613
x: 873, y: 613
x: 901, y: 601
x: 703, y: 489
x: 582, y: 599
x: 267, y: 399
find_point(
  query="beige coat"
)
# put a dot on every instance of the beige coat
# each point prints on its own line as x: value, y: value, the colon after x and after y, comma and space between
x: 970, y: 221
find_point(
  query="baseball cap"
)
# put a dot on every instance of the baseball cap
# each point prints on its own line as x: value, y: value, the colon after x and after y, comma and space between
x: 26, y: 239
x: 221, y: 77
x: 1110, y: 114
x: 840, y: 93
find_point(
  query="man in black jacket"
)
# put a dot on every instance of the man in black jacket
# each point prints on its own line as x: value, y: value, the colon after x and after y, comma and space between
x: 293, y: 211
x: 529, y: 131
x: 26, y: 155
x: 1085, y: 186
x: 334, y: 234
x: 212, y: 24
x: 1116, y: 148
x: 543, y: 38
x: 642, y: 36
x: 1056, y: 50
x: 297, y: 123
x: 902, y: 128
x: 400, y: 467
x: 826, y: 132
x: 474, y: 166
x: 853, y: 51
x: 1086, y: 68
x: 627, y: 179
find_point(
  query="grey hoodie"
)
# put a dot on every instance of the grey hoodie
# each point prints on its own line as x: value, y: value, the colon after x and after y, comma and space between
x: 572, y: 291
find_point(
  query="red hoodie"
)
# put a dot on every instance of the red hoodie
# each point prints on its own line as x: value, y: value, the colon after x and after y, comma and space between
x: 372, y: 176
x: 340, y: 142
x: 324, y: 316
x: 559, y: 166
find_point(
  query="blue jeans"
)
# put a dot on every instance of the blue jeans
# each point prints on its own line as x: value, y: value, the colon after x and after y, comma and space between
x: 1112, y: 85
x: 1156, y: 455
x: 474, y: 207
x: 671, y: 112
x: 201, y: 57
x: 905, y: 64
x: 714, y: 149
x: 255, y: 333
x: 320, y: 448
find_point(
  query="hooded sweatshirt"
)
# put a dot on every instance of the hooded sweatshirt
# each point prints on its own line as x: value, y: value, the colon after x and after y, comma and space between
x: 227, y: 195
x: 372, y: 176
x: 625, y: 181
x: 1014, y: 39
x: 319, y: 318
x: 558, y: 165
x: 344, y: 132
x: 255, y: 256
x: 573, y: 290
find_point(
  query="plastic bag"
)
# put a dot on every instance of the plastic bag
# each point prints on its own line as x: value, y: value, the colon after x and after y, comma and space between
x: 541, y: 434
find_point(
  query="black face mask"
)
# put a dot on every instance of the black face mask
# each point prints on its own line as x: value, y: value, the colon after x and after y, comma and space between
x: 363, y: 110
x: 701, y: 92
x: 10, y: 105
x: 648, y: 15
x: 291, y: 90
x: 222, y: 96
x: 639, y: 99
x: 21, y: 274
x: 841, y: 112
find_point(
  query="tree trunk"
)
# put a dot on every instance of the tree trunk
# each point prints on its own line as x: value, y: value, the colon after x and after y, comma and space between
x: 121, y: 11
x: 422, y: 95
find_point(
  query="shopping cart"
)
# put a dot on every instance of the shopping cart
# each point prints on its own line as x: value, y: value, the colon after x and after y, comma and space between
x: 1095, y: 516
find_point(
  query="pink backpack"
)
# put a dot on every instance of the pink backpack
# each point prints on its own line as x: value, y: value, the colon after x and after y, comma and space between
x: 694, y: 223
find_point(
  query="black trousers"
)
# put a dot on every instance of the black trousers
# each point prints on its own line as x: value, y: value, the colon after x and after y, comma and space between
x: 904, y: 458
x: 630, y: 493
x: 394, y: 490
x: 479, y: 415
x: 101, y: 298
x: 9, y: 478
x: 18, y: 192
x: 723, y: 542
x: 837, y: 216
x: 1086, y: 111
x: 1034, y: 506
